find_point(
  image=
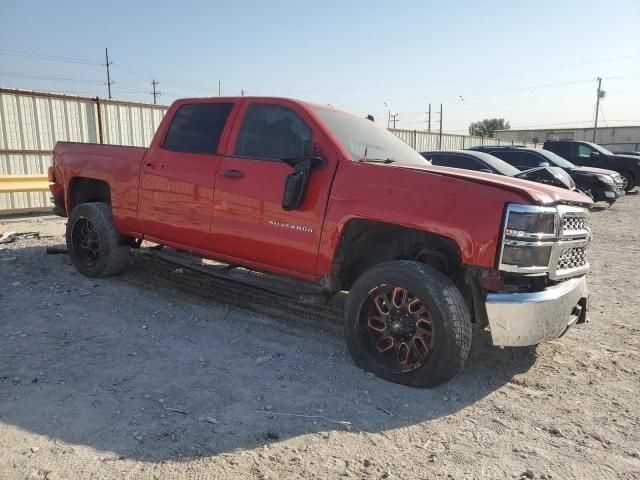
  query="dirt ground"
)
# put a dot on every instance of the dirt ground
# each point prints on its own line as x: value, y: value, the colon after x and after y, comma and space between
x: 140, y: 377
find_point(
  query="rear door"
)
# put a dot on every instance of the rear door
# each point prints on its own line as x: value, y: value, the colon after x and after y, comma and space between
x: 248, y: 219
x: 178, y: 174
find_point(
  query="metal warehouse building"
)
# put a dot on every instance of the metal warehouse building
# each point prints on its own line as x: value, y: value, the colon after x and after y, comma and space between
x: 617, y: 139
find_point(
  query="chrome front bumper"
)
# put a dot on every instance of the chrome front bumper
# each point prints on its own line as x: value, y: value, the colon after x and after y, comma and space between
x: 521, y: 319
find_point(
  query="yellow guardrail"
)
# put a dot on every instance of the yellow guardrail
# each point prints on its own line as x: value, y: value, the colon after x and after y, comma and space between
x: 23, y: 183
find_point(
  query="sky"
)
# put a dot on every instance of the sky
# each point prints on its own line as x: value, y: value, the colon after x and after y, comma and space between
x: 533, y: 63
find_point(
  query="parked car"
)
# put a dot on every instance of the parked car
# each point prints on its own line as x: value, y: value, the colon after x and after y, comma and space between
x: 483, y: 162
x: 336, y: 201
x: 593, y: 155
x: 601, y: 185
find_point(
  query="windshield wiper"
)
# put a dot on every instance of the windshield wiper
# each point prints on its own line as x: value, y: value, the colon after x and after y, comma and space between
x: 379, y: 160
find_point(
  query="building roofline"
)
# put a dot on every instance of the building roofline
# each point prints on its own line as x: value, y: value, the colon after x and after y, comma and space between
x: 563, y: 128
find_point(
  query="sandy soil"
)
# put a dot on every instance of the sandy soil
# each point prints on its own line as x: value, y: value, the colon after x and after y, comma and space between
x: 136, y: 377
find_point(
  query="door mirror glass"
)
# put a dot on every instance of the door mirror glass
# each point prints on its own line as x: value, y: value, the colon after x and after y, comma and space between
x: 294, y: 189
x: 295, y: 184
x: 544, y: 164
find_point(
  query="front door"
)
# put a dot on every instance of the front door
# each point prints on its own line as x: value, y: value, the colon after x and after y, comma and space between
x: 178, y: 176
x: 581, y: 154
x: 248, y: 219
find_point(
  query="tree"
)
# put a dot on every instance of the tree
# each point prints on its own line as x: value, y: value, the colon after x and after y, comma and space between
x: 486, y: 127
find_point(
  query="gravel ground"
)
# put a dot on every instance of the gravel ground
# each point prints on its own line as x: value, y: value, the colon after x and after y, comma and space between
x: 136, y: 377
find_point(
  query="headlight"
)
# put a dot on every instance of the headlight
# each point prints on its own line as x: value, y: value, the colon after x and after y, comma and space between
x: 528, y: 238
x: 605, y: 179
x: 530, y: 222
x: 526, y: 256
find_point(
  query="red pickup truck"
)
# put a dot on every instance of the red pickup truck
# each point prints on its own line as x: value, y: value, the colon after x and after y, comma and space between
x: 321, y: 195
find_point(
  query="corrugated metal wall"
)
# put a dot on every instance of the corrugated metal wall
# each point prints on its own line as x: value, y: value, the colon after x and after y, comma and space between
x: 32, y: 122
x: 425, y: 141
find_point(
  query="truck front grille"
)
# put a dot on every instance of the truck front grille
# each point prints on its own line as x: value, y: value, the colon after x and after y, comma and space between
x: 571, y: 258
x: 571, y: 223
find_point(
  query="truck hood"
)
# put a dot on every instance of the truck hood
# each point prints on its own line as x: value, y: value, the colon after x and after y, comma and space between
x: 633, y: 158
x: 537, y: 193
x: 602, y: 171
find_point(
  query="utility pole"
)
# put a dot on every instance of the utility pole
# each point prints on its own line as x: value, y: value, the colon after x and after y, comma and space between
x: 155, y: 93
x: 242, y: 92
x: 440, y: 132
x: 107, y: 63
x: 599, y: 95
x: 429, y: 119
x: 389, y: 120
x: 219, y: 87
x: 393, y: 117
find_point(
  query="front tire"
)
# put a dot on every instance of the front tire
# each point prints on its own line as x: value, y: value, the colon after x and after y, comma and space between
x: 627, y: 180
x: 407, y: 323
x: 95, y: 247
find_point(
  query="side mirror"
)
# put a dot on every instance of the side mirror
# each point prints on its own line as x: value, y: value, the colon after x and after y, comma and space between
x: 594, y: 154
x: 295, y: 184
x: 486, y: 170
x: 544, y: 164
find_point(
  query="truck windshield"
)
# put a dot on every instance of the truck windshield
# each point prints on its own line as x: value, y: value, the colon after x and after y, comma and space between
x: 555, y: 159
x: 363, y: 138
x: 599, y: 148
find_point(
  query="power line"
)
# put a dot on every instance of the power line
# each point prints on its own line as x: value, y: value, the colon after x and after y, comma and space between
x: 474, y: 77
x: 44, y: 56
x: 55, y: 78
x: 471, y: 94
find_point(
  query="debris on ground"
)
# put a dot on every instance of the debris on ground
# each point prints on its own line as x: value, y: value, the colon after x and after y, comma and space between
x: 8, y: 237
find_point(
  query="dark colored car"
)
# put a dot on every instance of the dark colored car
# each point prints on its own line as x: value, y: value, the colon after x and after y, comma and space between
x: 593, y: 155
x: 470, y: 160
x: 600, y: 184
x: 483, y: 162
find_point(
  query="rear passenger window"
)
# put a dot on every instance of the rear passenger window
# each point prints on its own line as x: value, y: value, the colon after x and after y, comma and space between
x: 521, y: 160
x: 272, y: 132
x: 457, y: 161
x: 197, y: 128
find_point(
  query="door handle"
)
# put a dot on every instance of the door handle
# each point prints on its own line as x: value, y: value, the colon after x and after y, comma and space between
x: 154, y: 165
x: 232, y: 174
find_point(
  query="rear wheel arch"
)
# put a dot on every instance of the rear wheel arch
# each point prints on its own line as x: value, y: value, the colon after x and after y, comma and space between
x: 87, y: 190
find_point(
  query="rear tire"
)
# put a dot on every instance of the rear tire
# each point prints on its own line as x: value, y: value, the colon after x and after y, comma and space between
x: 421, y: 346
x: 95, y: 247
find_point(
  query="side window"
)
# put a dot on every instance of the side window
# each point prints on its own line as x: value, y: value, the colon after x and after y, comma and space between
x: 521, y: 160
x: 457, y: 161
x: 272, y: 132
x: 584, y: 151
x: 196, y: 128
